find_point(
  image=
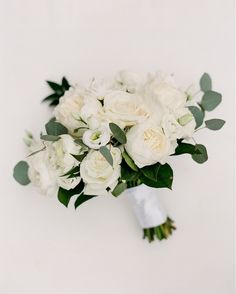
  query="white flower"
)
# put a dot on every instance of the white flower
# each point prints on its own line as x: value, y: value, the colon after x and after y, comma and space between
x: 40, y: 173
x: 125, y: 109
x: 171, y: 127
x: 98, y: 174
x: 100, y: 88
x: 147, y: 144
x: 76, y: 105
x: 128, y: 81
x: 97, y: 137
x: 61, y: 160
x: 160, y: 92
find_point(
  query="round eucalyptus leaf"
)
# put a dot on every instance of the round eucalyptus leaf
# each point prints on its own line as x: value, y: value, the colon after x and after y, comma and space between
x: 20, y: 173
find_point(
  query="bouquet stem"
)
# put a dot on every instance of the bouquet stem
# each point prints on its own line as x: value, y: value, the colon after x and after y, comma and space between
x: 160, y: 232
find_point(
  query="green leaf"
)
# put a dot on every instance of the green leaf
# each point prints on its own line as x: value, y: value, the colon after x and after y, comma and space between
x: 129, y: 161
x: 151, y: 171
x: 64, y: 195
x: 205, y: 83
x: 214, y: 124
x: 81, y: 143
x: 20, y: 173
x: 184, y: 148
x: 127, y: 173
x: 201, y: 156
x: 55, y: 128
x: 79, y: 157
x: 73, y: 170
x: 49, y: 138
x: 82, y: 198
x: 106, y: 154
x: 52, y: 97
x: 56, y: 87
x: 120, y: 188
x: 164, y: 178
x: 65, y: 84
x: 198, y: 115
x: 211, y: 100
x: 118, y: 133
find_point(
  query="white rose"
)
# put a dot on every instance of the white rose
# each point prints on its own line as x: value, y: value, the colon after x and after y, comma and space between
x: 97, y: 137
x: 100, y: 88
x: 161, y: 92
x: 125, y: 109
x: 76, y: 105
x: 98, y: 174
x: 147, y: 144
x: 61, y: 160
x: 171, y: 127
x: 128, y: 81
x: 40, y: 173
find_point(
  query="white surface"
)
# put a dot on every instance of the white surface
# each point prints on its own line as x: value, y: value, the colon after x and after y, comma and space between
x: 45, y: 248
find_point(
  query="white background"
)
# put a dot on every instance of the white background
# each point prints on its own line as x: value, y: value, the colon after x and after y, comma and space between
x: 46, y: 248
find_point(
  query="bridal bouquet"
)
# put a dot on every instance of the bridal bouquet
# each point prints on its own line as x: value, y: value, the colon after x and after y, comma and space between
x: 115, y: 136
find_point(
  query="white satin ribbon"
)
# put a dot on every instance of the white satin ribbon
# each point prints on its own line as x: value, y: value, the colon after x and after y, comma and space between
x: 146, y: 206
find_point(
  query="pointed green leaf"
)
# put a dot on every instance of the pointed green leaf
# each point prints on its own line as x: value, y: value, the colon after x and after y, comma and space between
x: 186, y: 148
x: 214, y: 124
x: 64, y: 195
x: 106, y: 154
x: 201, y: 156
x: 65, y: 84
x: 211, y: 100
x: 120, y: 188
x: 56, y: 87
x: 82, y: 198
x: 198, y: 115
x: 118, y: 133
x: 151, y: 171
x: 205, y: 82
x: 79, y: 157
x: 20, y: 173
x: 52, y: 97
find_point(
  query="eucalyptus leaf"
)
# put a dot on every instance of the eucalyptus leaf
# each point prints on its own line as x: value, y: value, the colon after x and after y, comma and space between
x: 64, y: 195
x: 20, y: 173
x: 82, y: 198
x: 50, y: 138
x: 55, y: 128
x: 202, y: 155
x: 120, y: 188
x: 129, y: 161
x: 211, y: 100
x: 214, y: 124
x: 198, y: 115
x: 106, y: 154
x: 205, y: 82
x: 118, y: 133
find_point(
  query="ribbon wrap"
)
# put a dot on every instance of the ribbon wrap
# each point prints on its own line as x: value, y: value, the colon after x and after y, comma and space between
x: 146, y: 206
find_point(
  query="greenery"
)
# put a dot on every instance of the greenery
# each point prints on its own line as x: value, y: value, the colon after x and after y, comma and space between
x: 211, y: 100
x: 198, y: 115
x: 82, y: 198
x: 118, y: 133
x: 205, y: 83
x: 106, y: 154
x: 160, y: 232
x: 64, y: 195
x: 58, y: 91
x: 20, y: 173
x: 55, y: 128
x: 214, y: 124
x: 120, y: 188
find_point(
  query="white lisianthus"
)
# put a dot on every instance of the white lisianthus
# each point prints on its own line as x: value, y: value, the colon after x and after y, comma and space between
x: 96, y: 138
x: 98, y: 174
x: 61, y: 160
x: 40, y: 172
x: 128, y: 81
x: 147, y: 144
x: 76, y: 105
x: 124, y: 108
